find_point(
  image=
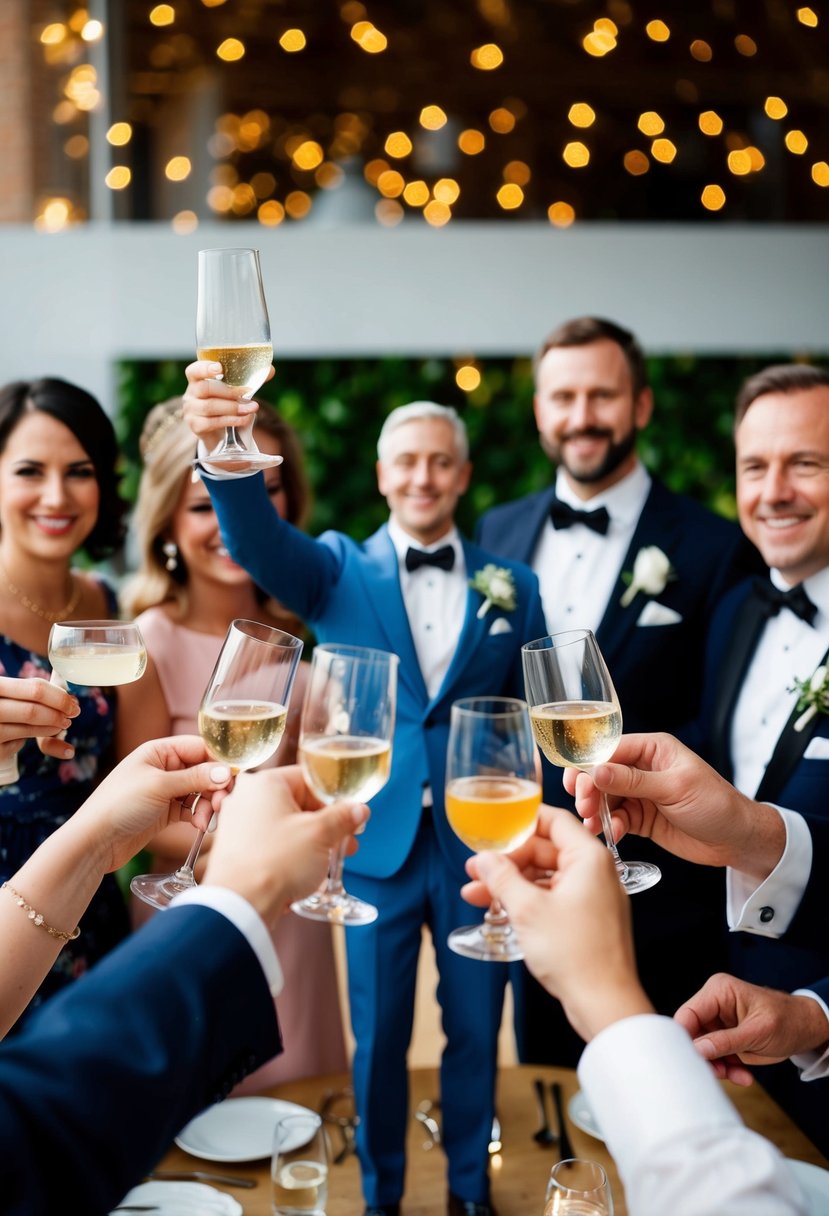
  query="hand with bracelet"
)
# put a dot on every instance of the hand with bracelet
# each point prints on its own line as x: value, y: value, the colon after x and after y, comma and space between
x: 41, y: 904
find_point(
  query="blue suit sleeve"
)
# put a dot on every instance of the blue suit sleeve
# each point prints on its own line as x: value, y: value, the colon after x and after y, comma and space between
x: 107, y: 1073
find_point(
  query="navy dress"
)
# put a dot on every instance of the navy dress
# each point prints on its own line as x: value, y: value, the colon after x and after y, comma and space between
x: 46, y: 793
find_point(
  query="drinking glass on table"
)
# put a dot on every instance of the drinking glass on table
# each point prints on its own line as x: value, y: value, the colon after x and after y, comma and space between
x: 241, y: 721
x: 492, y: 800
x: 232, y: 328
x: 577, y: 721
x: 578, y: 1187
x: 299, y: 1165
x: 345, y: 739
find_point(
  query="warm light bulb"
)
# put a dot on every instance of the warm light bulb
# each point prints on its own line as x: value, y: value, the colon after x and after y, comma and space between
x: 713, y: 198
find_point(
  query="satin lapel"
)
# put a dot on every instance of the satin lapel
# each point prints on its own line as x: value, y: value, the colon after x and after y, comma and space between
x: 384, y: 598
x: 657, y: 526
x: 787, y: 754
x: 747, y: 626
x: 474, y: 629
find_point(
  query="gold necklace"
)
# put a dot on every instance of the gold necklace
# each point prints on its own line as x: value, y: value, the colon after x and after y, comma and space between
x: 31, y: 606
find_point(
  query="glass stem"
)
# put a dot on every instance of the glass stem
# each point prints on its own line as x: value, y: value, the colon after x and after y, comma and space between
x: 334, y: 882
x: 607, y: 829
x: 186, y: 873
x: 232, y: 442
x: 496, y: 922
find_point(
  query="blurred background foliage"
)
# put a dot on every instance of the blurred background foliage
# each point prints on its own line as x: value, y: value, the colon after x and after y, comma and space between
x: 338, y: 407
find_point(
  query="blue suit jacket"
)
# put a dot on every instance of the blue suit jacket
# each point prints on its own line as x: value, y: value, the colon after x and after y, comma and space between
x: 110, y: 1069
x: 350, y: 593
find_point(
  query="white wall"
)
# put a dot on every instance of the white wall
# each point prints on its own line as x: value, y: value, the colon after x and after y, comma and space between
x: 76, y: 301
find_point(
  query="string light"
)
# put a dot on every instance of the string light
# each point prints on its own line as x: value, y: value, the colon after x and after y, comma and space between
x: 486, y: 58
x: 636, y: 162
x: 820, y: 173
x: 657, y: 31
x: 576, y: 154
x: 230, y: 50
x: 510, y: 196
x: 163, y: 14
x: 710, y: 122
x: 561, y: 214
x: 701, y: 50
x: 581, y: 114
x: 650, y: 123
x: 796, y: 142
x: 468, y: 378
x: 437, y: 213
x: 177, y: 168
x: 713, y: 198
x: 398, y: 145
x: 471, y: 142
x: 663, y: 150
x: 432, y: 118
x: 292, y: 40
x: 807, y: 16
x: 776, y: 107
x: 118, y: 178
x: 119, y: 133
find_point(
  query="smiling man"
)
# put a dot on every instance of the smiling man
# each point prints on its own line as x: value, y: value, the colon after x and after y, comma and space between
x: 615, y: 551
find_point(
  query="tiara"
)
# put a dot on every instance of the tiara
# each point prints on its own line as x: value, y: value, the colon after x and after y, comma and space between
x: 154, y: 439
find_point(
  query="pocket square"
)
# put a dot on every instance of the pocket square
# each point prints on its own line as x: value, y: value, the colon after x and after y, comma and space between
x: 818, y: 749
x: 500, y: 625
x: 658, y: 614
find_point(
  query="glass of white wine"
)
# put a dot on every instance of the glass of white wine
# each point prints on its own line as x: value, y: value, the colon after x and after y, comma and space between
x: 577, y: 721
x: 96, y: 654
x: 299, y: 1165
x: 492, y: 800
x: 232, y: 328
x: 578, y: 1187
x: 345, y: 740
x: 241, y: 720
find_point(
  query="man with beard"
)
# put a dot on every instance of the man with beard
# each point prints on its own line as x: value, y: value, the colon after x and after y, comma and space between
x: 615, y: 551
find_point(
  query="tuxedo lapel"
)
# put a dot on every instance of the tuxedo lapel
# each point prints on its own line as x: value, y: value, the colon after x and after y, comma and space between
x: 746, y: 630
x: 474, y: 628
x: 523, y: 543
x: 381, y: 580
x: 787, y: 754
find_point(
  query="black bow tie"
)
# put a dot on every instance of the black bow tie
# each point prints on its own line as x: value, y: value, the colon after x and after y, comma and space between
x: 564, y: 516
x: 795, y: 598
x: 443, y: 558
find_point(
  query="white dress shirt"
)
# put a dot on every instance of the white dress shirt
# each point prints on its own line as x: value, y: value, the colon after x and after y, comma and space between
x: 678, y: 1143
x: 578, y: 568
x: 788, y: 648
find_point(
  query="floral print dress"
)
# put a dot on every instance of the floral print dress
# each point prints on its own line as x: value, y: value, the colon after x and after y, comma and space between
x: 46, y: 793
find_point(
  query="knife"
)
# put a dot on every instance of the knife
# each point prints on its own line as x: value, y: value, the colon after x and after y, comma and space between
x: 565, y: 1147
x: 203, y: 1176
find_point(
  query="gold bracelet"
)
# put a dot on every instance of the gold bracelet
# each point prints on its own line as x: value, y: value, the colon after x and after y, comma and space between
x: 37, y: 917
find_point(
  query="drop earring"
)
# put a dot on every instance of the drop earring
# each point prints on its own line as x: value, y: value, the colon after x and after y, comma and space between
x: 170, y: 550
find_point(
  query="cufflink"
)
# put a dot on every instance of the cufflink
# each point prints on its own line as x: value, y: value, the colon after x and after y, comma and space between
x: 766, y: 914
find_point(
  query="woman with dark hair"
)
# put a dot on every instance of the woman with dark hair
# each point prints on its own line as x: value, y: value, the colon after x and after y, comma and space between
x: 58, y: 495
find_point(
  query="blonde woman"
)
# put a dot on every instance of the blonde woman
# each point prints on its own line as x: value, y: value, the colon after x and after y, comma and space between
x: 184, y: 595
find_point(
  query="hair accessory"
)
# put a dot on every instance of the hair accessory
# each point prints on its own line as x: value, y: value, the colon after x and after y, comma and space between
x: 67, y: 610
x: 152, y: 441
x: 170, y: 551
x: 37, y: 917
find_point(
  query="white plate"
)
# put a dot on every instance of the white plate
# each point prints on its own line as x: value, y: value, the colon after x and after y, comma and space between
x: 814, y: 1182
x: 184, y: 1199
x: 238, y: 1129
x: 583, y: 1117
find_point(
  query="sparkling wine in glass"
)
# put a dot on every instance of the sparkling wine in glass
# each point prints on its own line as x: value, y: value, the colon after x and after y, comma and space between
x: 241, y: 720
x: 232, y: 328
x: 345, y: 744
x: 578, y: 1187
x: 299, y: 1165
x: 492, y: 799
x: 96, y: 654
x: 577, y: 721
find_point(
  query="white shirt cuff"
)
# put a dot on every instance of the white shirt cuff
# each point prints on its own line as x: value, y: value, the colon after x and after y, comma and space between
x: 767, y: 910
x: 214, y: 472
x: 813, y: 1064
x: 240, y: 913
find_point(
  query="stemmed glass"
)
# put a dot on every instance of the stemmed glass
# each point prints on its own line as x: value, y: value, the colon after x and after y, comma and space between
x: 578, y: 1187
x: 345, y: 739
x: 232, y: 328
x: 241, y: 721
x: 577, y: 721
x: 492, y: 800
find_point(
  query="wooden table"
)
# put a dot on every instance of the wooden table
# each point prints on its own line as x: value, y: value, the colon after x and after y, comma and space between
x: 519, y: 1172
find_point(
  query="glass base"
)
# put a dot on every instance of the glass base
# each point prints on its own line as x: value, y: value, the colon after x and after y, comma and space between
x: 639, y: 876
x: 338, y: 908
x: 498, y: 945
x: 158, y: 889
x: 239, y: 460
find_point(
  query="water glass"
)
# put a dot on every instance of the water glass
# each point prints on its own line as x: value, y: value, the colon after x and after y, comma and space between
x: 299, y: 1166
x: 578, y: 1187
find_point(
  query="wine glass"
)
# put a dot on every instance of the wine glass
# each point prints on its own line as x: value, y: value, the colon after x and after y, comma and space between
x: 578, y: 1187
x: 345, y: 739
x: 241, y: 721
x: 492, y: 800
x: 96, y: 654
x: 577, y: 721
x: 299, y: 1165
x: 232, y: 328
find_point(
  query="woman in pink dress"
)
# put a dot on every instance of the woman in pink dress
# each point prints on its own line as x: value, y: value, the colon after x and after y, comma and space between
x: 185, y: 594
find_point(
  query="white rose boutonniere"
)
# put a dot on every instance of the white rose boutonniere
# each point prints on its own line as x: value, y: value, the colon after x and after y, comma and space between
x: 652, y: 571
x: 497, y: 586
x: 814, y: 696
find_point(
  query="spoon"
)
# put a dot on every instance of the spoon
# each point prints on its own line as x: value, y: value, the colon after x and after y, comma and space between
x: 545, y: 1134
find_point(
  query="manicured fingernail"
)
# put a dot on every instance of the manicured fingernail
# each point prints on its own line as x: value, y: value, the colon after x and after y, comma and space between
x: 219, y: 774
x: 214, y: 822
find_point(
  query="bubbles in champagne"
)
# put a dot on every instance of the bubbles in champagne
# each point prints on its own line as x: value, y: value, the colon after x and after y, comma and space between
x: 577, y: 734
x: 345, y: 766
x: 492, y: 812
x: 242, y: 734
x: 242, y: 366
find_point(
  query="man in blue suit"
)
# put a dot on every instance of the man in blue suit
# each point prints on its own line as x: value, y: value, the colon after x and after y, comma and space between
x: 617, y: 552
x: 406, y: 589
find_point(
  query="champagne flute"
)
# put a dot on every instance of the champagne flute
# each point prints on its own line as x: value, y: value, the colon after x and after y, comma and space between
x: 492, y: 800
x: 577, y: 721
x: 578, y: 1187
x: 96, y: 654
x: 241, y: 720
x: 232, y: 328
x: 345, y: 740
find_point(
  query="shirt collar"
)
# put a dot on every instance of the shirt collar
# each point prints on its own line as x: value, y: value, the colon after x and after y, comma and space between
x: 624, y: 500
x: 403, y: 542
x: 816, y: 587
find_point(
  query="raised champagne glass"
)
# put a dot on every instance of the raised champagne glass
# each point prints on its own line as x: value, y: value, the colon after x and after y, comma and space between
x: 345, y: 744
x: 232, y: 328
x: 96, y: 654
x: 241, y: 720
x: 577, y: 721
x: 492, y: 800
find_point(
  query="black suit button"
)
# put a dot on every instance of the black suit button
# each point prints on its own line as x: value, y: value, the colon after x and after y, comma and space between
x: 766, y: 914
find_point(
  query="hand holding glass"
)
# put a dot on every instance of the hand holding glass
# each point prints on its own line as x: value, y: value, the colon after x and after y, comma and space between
x: 492, y: 800
x: 241, y: 720
x: 577, y: 721
x: 96, y: 654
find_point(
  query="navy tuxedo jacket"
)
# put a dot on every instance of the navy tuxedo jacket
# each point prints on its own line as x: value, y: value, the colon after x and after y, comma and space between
x: 349, y: 592
x: 110, y: 1069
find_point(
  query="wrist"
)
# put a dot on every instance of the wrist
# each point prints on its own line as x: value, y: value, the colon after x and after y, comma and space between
x: 760, y: 842
x: 600, y: 1005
